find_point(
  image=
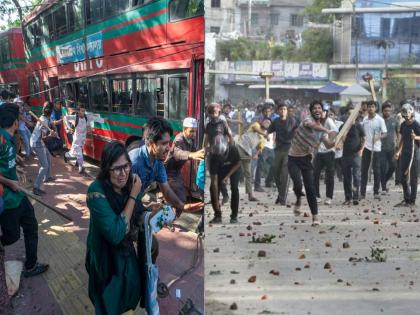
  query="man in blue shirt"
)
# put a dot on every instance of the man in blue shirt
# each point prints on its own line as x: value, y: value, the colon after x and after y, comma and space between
x: 148, y: 161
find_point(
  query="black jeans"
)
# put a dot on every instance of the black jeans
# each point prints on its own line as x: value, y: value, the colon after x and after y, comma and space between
x: 321, y: 161
x: 280, y: 173
x: 376, y: 167
x: 387, y: 167
x: 338, y: 169
x: 301, y: 167
x: 12, y: 220
x: 410, y: 191
x: 234, y: 188
x: 351, y: 171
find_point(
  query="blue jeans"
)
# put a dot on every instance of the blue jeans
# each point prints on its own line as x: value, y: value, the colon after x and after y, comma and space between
x: 44, y: 158
x: 26, y: 136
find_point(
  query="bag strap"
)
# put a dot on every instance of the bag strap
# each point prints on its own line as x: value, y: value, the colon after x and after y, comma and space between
x: 148, y: 237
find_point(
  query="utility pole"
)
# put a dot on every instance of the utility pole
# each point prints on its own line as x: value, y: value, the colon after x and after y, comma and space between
x: 267, y: 76
x: 249, y: 17
x: 356, y: 33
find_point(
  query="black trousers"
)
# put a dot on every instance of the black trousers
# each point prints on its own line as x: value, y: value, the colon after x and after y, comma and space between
x: 376, y: 167
x: 321, y: 161
x: 350, y: 165
x: 301, y: 167
x: 234, y: 188
x: 387, y: 167
x: 12, y: 220
x: 280, y: 172
x: 410, y: 189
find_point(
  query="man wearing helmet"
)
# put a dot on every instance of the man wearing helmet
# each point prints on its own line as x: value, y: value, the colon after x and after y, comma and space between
x: 306, y: 141
x: 407, y: 153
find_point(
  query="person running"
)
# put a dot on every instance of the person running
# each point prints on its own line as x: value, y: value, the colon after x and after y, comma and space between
x: 284, y: 128
x: 81, y: 121
x: 352, y: 149
x: 253, y: 139
x: 183, y: 150
x: 324, y: 159
x: 228, y: 169
x: 18, y: 211
x: 407, y: 153
x: 41, y: 133
x: 25, y: 133
x: 375, y: 130
x: 388, y: 146
x: 305, y: 142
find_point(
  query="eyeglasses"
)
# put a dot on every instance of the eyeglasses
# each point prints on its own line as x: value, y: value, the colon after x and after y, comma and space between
x: 120, y: 169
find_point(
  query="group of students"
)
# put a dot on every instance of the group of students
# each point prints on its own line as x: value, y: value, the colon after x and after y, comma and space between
x: 116, y: 201
x: 302, y: 148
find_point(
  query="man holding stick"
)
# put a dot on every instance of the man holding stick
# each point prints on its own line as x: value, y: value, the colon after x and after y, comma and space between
x: 407, y: 153
x: 18, y: 210
x: 375, y: 130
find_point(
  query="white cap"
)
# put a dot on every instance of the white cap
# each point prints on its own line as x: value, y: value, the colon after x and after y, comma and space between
x: 189, y: 122
x: 18, y: 100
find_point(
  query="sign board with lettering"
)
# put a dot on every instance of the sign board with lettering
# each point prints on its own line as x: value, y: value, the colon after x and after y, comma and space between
x: 94, y: 45
x: 71, y: 52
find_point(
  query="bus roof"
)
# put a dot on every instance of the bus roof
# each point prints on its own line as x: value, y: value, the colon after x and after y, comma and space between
x: 45, y: 4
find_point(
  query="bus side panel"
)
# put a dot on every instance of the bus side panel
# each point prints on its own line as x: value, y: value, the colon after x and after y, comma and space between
x: 187, y: 31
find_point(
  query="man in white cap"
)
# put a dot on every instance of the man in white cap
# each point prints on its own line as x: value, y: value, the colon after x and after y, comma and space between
x: 183, y: 149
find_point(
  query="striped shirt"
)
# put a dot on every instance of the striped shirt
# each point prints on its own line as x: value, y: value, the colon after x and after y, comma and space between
x: 306, y: 140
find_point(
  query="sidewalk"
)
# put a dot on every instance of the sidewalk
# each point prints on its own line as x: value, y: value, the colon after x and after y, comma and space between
x: 63, y: 289
x: 314, y: 270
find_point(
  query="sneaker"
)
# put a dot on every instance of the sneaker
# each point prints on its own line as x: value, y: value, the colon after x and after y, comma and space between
x: 355, y: 202
x: 216, y: 220
x: 376, y: 197
x: 82, y: 170
x: 252, y: 198
x: 328, y: 201
x: 385, y: 192
x: 346, y: 203
x: 279, y: 201
x: 296, y: 210
x: 318, y: 200
x: 36, y: 270
x: 233, y: 220
x: 38, y: 192
x: 66, y: 160
x: 49, y: 179
x: 225, y: 199
x: 315, y: 221
x: 402, y: 204
x: 259, y: 189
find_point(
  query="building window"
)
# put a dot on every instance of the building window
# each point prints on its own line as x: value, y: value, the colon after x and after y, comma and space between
x: 178, y: 97
x: 215, y: 29
x: 274, y: 19
x: 296, y: 20
x: 182, y: 9
x: 254, y: 19
x: 215, y: 3
x: 121, y: 96
x: 98, y: 95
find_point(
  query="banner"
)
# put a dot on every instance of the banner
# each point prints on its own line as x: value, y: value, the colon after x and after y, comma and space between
x: 94, y: 45
x: 71, y: 52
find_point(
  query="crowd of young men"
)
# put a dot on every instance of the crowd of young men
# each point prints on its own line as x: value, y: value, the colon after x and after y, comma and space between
x: 281, y: 143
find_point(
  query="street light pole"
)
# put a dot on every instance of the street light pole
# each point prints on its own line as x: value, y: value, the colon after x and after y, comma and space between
x: 267, y: 76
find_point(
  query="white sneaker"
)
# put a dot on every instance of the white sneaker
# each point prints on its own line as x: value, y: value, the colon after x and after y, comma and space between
x: 328, y: 201
x: 318, y: 200
x: 315, y: 220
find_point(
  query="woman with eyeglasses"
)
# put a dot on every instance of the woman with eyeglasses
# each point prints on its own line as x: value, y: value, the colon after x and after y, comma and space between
x: 111, y: 261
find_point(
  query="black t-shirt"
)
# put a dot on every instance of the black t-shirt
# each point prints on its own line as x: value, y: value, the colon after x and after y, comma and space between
x: 405, y: 131
x: 215, y: 128
x: 233, y: 156
x: 284, y: 129
x: 353, y: 141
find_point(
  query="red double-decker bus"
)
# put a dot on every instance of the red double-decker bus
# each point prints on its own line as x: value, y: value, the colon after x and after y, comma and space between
x: 126, y: 60
x: 12, y: 62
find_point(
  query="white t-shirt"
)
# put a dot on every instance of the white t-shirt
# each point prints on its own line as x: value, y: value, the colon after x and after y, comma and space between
x: 338, y: 153
x: 330, y: 125
x: 373, y: 127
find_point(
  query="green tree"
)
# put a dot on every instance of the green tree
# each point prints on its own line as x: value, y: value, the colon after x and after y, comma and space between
x: 317, y: 45
x: 314, y: 14
x: 12, y: 12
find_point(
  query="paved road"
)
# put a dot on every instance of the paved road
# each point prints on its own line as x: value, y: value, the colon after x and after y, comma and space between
x: 292, y: 279
x: 63, y: 289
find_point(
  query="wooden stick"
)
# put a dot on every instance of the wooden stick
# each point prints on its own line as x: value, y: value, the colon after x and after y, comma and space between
x: 38, y: 199
x: 341, y: 137
x: 41, y: 122
x: 408, y: 171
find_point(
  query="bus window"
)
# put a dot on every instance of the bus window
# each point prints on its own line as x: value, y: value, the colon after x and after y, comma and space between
x: 36, y: 32
x: 60, y: 25
x: 113, y: 7
x: 74, y: 15
x: 182, y: 9
x: 140, y: 2
x: 98, y: 92
x: 121, y: 96
x: 34, y: 85
x: 47, y: 91
x: 145, y: 97
x: 4, y: 50
x: 178, y: 97
x: 48, y: 33
x: 83, y: 94
x: 28, y: 37
x: 93, y: 10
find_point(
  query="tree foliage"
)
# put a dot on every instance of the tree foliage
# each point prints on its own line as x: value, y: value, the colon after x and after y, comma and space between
x: 314, y: 14
x: 12, y: 12
x: 317, y: 47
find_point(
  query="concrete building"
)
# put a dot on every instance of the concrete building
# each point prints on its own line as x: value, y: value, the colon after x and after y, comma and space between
x: 379, y: 37
x: 221, y: 16
x: 272, y: 19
